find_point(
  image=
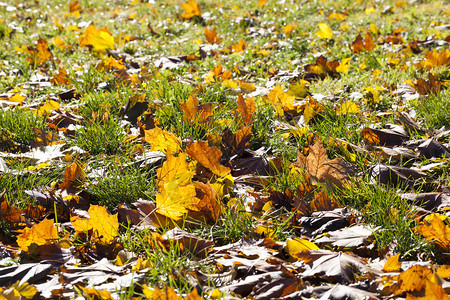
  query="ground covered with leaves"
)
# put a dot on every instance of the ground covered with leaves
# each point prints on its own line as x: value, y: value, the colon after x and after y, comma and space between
x: 235, y: 149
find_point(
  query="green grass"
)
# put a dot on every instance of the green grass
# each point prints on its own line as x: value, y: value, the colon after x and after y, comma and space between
x: 113, y: 147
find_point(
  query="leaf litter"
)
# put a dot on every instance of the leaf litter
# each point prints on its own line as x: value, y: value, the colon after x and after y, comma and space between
x: 224, y: 132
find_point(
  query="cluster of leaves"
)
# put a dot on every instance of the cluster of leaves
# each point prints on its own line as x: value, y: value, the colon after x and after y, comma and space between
x: 262, y: 149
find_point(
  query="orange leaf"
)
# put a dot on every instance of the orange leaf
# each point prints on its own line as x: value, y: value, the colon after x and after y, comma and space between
x: 40, y: 54
x: 435, y: 231
x: 323, y: 203
x: 435, y: 59
x: 245, y: 109
x: 10, y: 213
x: 392, y: 264
x: 209, y: 204
x: 162, y: 140
x: 239, y: 47
x: 43, y: 233
x: 61, y: 78
x: 72, y: 173
x: 211, y: 36
x: 443, y: 271
x: 191, y: 9
x: 208, y: 157
x: 362, y: 44
x: 193, y: 111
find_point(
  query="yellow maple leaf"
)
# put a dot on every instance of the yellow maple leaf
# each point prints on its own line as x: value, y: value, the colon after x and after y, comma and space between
x: 325, y: 31
x: 162, y: 140
x: 17, y: 98
x: 288, y: 29
x: 42, y: 233
x: 174, y: 200
x: 48, y: 107
x: 278, y: 98
x: 297, y: 245
x: 103, y: 225
x: 175, y: 168
x: 99, y: 39
x: 191, y: 9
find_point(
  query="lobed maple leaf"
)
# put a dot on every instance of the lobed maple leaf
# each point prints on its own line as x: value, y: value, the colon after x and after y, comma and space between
x: 211, y: 36
x: 321, y: 168
x: 245, y: 109
x: 103, y: 225
x: 161, y: 140
x: 73, y: 173
x: 362, y: 44
x: 193, y: 111
x: 436, y: 231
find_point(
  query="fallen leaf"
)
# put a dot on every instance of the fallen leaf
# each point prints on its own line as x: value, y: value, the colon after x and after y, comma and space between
x: 42, y: 233
x: 435, y: 231
x: 73, y: 173
x: 235, y: 143
x: 103, y: 225
x: 209, y: 207
x: 299, y: 245
x: 62, y: 78
x: 209, y: 157
x: 211, y: 36
x: 392, y: 264
x: 321, y: 168
x: 161, y: 140
x: 245, y: 109
x: 414, y: 279
x: 191, y: 9
x: 325, y: 31
x: 99, y: 39
x: 195, y: 112
x: 332, y: 266
x: 40, y: 54
x: 362, y: 44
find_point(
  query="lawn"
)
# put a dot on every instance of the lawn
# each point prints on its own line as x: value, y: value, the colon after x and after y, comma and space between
x: 224, y: 150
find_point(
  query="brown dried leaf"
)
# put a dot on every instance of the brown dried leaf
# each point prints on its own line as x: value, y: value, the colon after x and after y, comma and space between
x: 321, y: 168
